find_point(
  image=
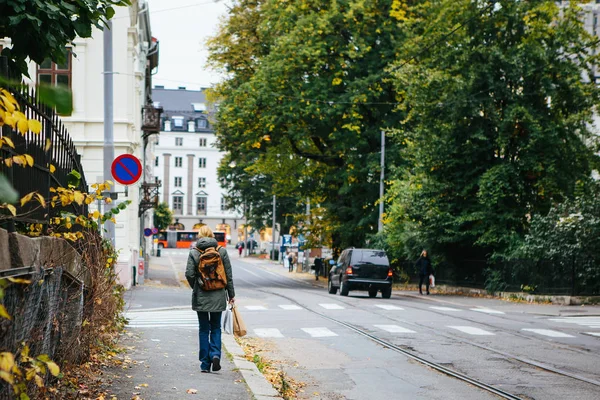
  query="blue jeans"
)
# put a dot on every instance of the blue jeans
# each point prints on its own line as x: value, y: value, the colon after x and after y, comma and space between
x: 210, y: 337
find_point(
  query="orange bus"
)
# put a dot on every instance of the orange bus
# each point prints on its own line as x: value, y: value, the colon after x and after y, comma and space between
x: 221, y: 238
x: 176, y: 239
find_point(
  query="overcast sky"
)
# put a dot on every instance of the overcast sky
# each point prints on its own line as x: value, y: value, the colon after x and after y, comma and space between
x: 182, y: 27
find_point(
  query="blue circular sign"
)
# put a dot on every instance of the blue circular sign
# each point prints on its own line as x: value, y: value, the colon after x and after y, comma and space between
x: 126, y: 169
x: 147, y: 232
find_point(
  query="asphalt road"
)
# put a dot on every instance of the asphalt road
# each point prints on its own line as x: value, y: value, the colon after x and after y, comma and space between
x: 530, y: 351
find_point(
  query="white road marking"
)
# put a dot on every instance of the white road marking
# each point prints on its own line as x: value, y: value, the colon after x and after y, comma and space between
x: 388, y: 307
x: 472, y: 330
x: 255, y: 308
x: 591, y: 322
x: 290, y: 307
x: 487, y: 310
x: 394, y: 329
x: 162, y: 319
x: 548, y: 332
x: 444, y: 308
x: 319, y: 332
x: 268, y: 332
x: 593, y: 333
x: 331, y: 306
x: 250, y: 272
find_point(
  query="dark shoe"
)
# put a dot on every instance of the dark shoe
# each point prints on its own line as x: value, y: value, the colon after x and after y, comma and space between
x: 427, y: 292
x: 204, y: 371
x: 420, y: 292
x: 216, y: 364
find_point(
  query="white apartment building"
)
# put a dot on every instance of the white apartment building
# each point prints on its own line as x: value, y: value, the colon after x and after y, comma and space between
x: 135, y: 53
x: 186, y: 160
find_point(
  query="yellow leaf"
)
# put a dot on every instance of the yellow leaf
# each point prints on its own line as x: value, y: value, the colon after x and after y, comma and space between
x: 41, y: 199
x: 23, y: 126
x: 9, y: 141
x: 12, y: 210
x: 10, y: 106
x: 52, y: 168
x: 19, y: 280
x: 53, y: 368
x: 25, y: 199
x: 9, y: 120
x: 29, y: 159
x: 8, y: 162
x: 39, y: 381
x: 35, y: 126
x: 96, y: 214
x: 48, y: 145
x: 78, y: 197
x: 7, y: 361
x: 7, y: 377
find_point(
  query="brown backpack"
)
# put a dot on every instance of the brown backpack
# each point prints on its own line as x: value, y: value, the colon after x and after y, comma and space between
x: 211, y: 269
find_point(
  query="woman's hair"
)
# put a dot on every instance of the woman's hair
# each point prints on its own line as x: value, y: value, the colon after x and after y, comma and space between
x: 205, y: 231
x: 424, y: 253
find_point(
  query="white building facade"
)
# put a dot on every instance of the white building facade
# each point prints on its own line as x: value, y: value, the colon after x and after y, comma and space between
x: 186, y: 160
x: 83, y: 73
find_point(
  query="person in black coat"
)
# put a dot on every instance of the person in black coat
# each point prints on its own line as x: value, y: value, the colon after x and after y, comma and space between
x: 424, y: 267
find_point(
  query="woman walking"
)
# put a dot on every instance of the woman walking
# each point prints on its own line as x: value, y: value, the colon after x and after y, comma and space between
x: 423, y: 266
x: 209, y: 304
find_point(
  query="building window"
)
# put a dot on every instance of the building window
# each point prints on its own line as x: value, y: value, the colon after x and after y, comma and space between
x: 156, y: 161
x: 202, y: 182
x: 177, y: 204
x: 177, y: 123
x: 202, y: 163
x: 223, y: 204
x: 201, y: 123
x: 51, y: 73
x: 178, y: 141
x: 202, y: 142
x: 201, y: 206
x: 177, y: 181
x: 178, y: 161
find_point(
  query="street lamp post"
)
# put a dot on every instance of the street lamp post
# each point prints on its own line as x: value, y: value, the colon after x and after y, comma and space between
x: 380, y: 222
x: 273, y: 232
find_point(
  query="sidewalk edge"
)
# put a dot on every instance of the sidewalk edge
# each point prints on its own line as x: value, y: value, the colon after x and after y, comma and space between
x: 259, y: 386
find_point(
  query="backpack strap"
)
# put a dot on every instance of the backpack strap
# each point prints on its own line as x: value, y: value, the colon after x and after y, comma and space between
x: 199, y: 251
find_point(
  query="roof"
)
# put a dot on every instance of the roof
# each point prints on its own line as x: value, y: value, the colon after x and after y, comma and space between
x: 178, y: 101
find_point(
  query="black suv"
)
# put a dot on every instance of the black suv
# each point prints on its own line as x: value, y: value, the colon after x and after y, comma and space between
x: 362, y: 269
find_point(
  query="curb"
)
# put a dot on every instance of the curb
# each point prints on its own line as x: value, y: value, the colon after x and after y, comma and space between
x: 260, y: 388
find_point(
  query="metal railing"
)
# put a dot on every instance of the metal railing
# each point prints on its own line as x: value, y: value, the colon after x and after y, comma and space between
x: 51, y: 147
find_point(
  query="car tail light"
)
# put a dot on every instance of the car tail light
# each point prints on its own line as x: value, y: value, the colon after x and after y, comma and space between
x: 349, y: 270
x: 390, y: 273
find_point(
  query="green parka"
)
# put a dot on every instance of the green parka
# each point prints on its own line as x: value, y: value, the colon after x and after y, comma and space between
x: 212, y: 300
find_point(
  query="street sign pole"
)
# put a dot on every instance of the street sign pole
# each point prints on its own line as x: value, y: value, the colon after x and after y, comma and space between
x: 109, y: 149
x: 273, y: 233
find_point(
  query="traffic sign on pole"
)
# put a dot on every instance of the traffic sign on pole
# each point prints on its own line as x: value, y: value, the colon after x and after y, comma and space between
x: 154, y: 231
x: 147, y: 232
x: 126, y: 169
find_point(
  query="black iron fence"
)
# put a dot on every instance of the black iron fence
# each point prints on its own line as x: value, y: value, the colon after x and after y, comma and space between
x: 54, y: 158
x: 574, y: 277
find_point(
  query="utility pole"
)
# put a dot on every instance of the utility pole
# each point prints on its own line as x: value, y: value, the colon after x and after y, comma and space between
x: 109, y: 150
x: 247, y: 242
x: 380, y: 222
x: 306, y: 252
x: 273, y: 233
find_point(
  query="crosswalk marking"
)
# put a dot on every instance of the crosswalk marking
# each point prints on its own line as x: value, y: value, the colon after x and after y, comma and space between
x: 290, y: 307
x: 388, y: 307
x: 268, y: 332
x: 591, y: 322
x: 255, y: 308
x: 548, y: 332
x: 487, y: 310
x: 444, y: 308
x: 331, y: 306
x: 471, y: 330
x: 319, y: 332
x: 394, y: 329
x: 162, y: 319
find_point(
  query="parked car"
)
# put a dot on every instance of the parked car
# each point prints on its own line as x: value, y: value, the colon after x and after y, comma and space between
x: 362, y: 269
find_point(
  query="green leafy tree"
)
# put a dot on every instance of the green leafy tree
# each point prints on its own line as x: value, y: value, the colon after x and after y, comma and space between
x: 163, y: 216
x: 497, y: 127
x: 40, y: 29
x: 306, y: 99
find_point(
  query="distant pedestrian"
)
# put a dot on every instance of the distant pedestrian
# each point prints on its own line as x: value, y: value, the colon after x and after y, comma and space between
x: 290, y: 261
x: 209, y: 304
x: 424, y: 267
x: 240, y: 249
x: 318, y: 267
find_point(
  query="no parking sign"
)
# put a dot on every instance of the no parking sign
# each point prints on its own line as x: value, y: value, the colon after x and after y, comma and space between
x: 126, y: 169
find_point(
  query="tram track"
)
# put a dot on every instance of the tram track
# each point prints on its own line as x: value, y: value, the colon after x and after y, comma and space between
x: 411, y: 355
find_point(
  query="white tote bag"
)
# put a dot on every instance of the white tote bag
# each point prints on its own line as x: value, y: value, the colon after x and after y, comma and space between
x: 227, y: 321
x: 431, y: 281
